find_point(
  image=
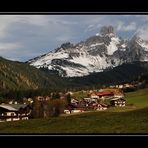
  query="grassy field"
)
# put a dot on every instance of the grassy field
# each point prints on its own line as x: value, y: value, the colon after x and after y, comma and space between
x: 138, y: 98
x: 131, y: 119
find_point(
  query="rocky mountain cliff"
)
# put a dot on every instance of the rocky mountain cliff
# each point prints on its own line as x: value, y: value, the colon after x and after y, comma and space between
x: 95, y: 54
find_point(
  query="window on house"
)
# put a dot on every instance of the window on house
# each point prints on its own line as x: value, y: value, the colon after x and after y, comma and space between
x: 12, y: 114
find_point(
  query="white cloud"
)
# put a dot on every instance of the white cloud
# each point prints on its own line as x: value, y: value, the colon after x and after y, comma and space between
x: 32, y: 32
x: 123, y: 27
x: 143, y: 32
x: 40, y: 20
x: 9, y: 46
x: 120, y: 26
x: 4, y: 22
x: 92, y: 27
x: 130, y: 27
x: 142, y: 17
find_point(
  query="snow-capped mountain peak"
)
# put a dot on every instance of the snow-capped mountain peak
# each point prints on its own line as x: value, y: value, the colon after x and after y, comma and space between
x: 97, y: 34
x: 104, y: 50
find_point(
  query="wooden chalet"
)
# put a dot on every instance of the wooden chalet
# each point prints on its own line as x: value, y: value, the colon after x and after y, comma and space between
x: 13, y: 112
x: 42, y: 98
x: 101, y: 106
x: 117, y: 102
x: 74, y: 101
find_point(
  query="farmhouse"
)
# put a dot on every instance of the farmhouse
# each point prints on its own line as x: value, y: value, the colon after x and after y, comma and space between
x: 101, y: 106
x: 41, y: 98
x: 13, y: 112
x: 94, y: 96
x: 104, y: 94
x: 117, y: 102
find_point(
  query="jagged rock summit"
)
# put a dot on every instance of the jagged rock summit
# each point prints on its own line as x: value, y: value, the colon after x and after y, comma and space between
x: 95, y: 54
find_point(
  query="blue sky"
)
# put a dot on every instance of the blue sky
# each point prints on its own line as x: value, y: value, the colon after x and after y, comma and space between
x: 23, y: 37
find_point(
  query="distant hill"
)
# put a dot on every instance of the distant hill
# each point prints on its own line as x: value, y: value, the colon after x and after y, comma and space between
x: 16, y: 76
x: 120, y: 74
x: 21, y: 76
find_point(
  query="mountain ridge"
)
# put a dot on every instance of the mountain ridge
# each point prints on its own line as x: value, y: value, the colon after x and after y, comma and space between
x: 18, y: 76
x: 95, y: 54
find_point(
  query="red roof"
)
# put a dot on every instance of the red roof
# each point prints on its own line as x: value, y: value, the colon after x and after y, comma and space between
x: 105, y: 93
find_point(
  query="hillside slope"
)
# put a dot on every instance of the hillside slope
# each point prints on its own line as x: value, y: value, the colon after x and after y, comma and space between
x: 120, y: 74
x: 19, y: 76
x: 22, y: 76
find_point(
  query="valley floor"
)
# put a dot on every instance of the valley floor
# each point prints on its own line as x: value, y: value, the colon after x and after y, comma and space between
x: 132, y: 118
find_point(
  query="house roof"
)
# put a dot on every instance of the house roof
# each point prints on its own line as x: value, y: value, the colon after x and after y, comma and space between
x: 13, y: 107
x: 103, y: 93
x: 116, y: 98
